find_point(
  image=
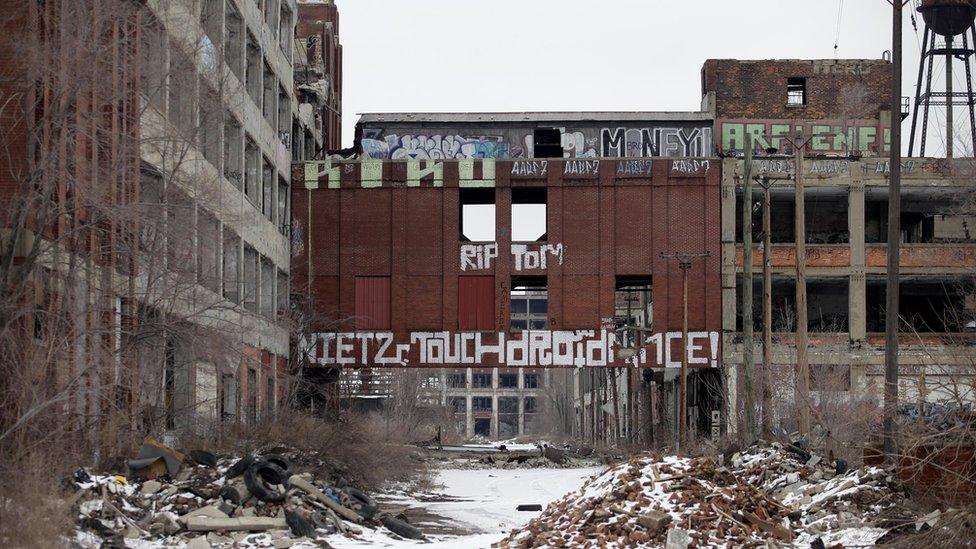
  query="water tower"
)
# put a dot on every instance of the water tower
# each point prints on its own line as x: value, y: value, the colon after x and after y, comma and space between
x: 952, y: 20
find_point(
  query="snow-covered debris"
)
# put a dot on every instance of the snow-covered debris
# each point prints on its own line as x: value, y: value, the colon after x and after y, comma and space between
x: 765, y: 493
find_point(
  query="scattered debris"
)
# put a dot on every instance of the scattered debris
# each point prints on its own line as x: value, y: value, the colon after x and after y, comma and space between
x: 768, y: 493
x: 205, y: 500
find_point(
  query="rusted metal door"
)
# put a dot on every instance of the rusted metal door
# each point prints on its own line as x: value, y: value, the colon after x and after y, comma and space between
x: 372, y: 303
x: 476, y: 303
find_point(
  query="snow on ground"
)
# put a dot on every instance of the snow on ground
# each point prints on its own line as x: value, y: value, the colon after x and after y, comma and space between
x: 477, y: 504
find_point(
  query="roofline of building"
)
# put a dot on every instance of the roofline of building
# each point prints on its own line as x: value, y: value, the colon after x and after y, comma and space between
x: 533, y: 116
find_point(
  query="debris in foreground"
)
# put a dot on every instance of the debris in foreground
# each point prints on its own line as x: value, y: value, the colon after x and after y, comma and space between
x: 766, y: 493
x: 206, y: 501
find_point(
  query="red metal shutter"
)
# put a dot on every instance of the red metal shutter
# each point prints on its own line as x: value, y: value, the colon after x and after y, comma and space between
x: 372, y: 303
x: 476, y: 303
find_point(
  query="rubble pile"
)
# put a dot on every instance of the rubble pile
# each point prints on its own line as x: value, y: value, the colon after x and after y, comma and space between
x: 201, y: 500
x: 776, y: 493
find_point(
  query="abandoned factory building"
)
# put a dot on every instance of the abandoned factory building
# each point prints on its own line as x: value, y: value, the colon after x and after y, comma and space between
x: 490, y: 246
x: 498, y: 268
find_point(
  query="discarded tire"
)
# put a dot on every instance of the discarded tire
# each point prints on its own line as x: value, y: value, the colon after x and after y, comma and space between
x: 401, y: 528
x: 365, y: 505
x: 281, y: 461
x: 203, y: 457
x: 300, y: 526
x: 262, y: 479
x: 238, y: 468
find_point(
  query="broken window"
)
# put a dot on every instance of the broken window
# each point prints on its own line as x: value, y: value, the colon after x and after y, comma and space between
x: 269, y: 395
x: 796, y: 91
x: 228, y: 397
x: 183, y: 91
x: 252, y: 394
x: 634, y: 309
x: 152, y: 240
x: 284, y: 118
x: 507, y: 380
x: 251, y: 278
x: 284, y: 216
x: 528, y: 214
x: 547, y: 143
x: 267, y: 189
x: 927, y: 304
x: 212, y: 19
x: 254, y: 69
x: 271, y: 16
x: 211, y: 119
x: 481, y: 404
x: 282, y: 295
x: 372, y: 303
x: 233, y: 150
x: 459, y: 405
x: 270, y: 86
x: 231, y: 262
x: 529, y: 410
x: 508, y: 416
x: 826, y: 216
x: 827, y: 304
x: 267, y: 288
x: 180, y: 239
x: 529, y: 304
x: 153, y: 64
x: 481, y: 380
x: 477, y: 213
x: 285, y: 26
x: 457, y: 380
x: 234, y: 48
x: 530, y: 381
x: 208, y: 250
x: 252, y: 172
x: 476, y: 303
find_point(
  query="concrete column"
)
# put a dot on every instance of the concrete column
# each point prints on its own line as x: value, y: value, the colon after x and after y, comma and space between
x: 469, y: 417
x: 856, y: 292
x: 521, y: 413
x: 494, y: 416
x: 730, y: 169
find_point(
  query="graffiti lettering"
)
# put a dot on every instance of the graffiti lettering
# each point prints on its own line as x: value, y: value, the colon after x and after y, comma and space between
x: 633, y: 142
x: 633, y: 167
x: 840, y: 138
x: 581, y: 167
x: 530, y: 168
x: 828, y: 167
x: 687, y: 166
x: 884, y: 167
x: 539, y: 348
x: 476, y: 257
x: 434, y: 147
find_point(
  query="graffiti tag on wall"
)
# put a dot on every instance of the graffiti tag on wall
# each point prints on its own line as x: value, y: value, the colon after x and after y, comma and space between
x: 540, y: 348
x: 656, y: 142
x: 476, y: 257
x: 435, y: 147
x: 834, y: 138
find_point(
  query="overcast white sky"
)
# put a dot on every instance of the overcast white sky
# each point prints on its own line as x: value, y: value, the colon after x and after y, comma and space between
x: 546, y: 55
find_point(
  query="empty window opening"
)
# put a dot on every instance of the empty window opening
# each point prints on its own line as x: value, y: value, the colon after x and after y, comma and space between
x: 529, y: 214
x: 267, y: 287
x: 507, y: 380
x: 529, y: 413
x: 531, y: 381
x: 228, y: 397
x: 251, y: 278
x: 252, y: 394
x: 459, y: 405
x: 508, y: 416
x: 269, y: 398
x: 267, y: 189
x: 231, y: 266
x: 926, y: 304
x: 634, y: 309
x: 547, y: 143
x: 234, y: 50
x: 254, y: 68
x: 828, y: 304
x: 826, y: 217
x: 457, y: 380
x: 481, y: 380
x: 796, y: 91
x: 252, y: 172
x: 281, y: 291
x: 482, y: 427
x: 233, y: 150
x: 529, y: 304
x: 270, y: 86
x: 477, y: 213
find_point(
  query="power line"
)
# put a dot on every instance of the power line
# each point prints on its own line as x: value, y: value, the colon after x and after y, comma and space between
x: 840, y: 15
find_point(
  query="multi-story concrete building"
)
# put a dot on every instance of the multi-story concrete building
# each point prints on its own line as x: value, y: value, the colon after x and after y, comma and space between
x: 841, y: 108
x: 195, y: 139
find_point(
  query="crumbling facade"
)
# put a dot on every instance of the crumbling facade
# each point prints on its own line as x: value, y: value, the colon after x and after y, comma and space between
x: 318, y: 77
x: 397, y: 280
x: 846, y: 202
x: 174, y: 258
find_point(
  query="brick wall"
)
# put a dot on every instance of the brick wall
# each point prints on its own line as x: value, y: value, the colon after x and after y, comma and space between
x: 609, y: 225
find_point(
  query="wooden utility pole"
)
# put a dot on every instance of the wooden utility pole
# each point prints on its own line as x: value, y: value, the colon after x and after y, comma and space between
x: 684, y: 262
x: 801, y: 388
x: 894, y: 237
x: 748, y: 361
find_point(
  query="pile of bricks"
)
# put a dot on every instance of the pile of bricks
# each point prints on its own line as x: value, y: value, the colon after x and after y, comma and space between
x: 768, y: 493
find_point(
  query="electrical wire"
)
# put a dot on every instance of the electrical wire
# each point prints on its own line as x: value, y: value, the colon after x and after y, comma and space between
x: 840, y: 15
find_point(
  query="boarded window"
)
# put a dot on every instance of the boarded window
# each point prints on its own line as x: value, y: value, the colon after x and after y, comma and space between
x: 476, y: 303
x: 372, y: 303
